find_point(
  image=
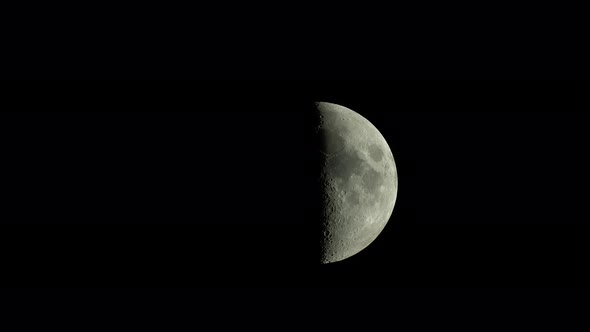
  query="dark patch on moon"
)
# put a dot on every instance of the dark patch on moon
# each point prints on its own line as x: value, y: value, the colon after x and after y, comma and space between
x: 331, y: 142
x: 372, y: 180
x: 344, y: 165
x: 375, y: 152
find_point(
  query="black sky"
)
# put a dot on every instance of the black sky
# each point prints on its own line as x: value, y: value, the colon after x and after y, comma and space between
x: 153, y: 185
x: 203, y: 184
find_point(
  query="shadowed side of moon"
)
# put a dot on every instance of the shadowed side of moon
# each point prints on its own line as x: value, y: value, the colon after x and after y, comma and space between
x: 358, y: 182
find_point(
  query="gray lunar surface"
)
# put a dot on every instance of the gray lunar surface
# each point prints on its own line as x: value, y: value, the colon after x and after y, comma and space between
x: 358, y: 182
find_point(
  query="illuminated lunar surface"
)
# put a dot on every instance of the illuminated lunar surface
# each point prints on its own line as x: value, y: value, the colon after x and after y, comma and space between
x: 358, y: 182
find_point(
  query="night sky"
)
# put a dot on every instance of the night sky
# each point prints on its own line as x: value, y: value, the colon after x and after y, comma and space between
x: 210, y: 184
x: 189, y: 205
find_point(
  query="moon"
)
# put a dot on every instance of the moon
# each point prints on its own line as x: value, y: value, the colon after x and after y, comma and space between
x: 358, y: 182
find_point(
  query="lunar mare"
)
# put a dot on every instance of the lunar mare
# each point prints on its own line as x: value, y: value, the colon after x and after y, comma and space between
x: 358, y: 182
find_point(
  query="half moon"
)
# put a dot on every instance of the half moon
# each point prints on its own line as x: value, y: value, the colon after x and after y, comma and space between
x: 358, y: 182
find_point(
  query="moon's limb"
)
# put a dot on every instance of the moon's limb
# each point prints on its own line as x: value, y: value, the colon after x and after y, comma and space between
x: 358, y: 180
